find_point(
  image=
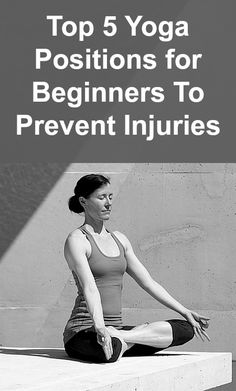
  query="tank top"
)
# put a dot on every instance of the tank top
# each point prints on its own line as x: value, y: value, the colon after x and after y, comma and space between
x: 108, y: 274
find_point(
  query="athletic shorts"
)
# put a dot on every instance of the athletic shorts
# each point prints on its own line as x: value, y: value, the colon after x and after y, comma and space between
x: 84, y: 346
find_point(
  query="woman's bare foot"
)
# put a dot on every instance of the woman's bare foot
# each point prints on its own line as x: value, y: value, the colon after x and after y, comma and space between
x: 114, y: 332
x: 121, y: 333
x: 156, y: 334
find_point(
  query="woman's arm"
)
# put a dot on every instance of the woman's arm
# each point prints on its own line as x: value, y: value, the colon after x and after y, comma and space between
x: 76, y: 250
x: 140, y: 274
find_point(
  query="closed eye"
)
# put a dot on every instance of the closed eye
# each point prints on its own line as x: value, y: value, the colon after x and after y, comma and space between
x: 102, y: 196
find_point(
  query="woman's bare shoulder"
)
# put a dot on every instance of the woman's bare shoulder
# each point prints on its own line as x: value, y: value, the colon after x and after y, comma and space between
x: 76, y: 233
x: 76, y: 246
x: 76, y: 238
x: 122, y: 238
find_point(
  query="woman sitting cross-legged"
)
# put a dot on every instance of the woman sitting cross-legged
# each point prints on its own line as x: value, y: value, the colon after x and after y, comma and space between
x: 98, y: 260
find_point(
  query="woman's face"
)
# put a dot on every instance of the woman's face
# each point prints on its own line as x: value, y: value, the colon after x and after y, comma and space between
x: 98, y: 204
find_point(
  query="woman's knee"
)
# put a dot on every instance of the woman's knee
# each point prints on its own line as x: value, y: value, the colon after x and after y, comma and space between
x: 189, y: 331
x: 95, y: 352
x: 99, y: 356
x: 182, y: 331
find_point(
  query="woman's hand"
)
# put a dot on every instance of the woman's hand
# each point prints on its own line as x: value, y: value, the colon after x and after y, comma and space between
x: 104, y: 339
x: 199, y: 323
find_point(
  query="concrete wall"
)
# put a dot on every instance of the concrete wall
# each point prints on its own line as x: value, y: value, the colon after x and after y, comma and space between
x: 180, y: 218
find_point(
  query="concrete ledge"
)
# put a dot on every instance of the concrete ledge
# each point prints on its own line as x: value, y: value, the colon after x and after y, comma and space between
x: 51, y: 370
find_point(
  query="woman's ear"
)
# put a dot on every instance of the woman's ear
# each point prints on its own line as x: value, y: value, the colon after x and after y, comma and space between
x: 82, y: 201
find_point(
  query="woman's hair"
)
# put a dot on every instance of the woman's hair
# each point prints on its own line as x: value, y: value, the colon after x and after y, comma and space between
x: 84, y: 188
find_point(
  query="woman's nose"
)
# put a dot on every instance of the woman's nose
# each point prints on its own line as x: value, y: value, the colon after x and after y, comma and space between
x: 108, y: 201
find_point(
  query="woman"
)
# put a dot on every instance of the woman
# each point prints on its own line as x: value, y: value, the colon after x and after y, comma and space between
x: 98, y: 259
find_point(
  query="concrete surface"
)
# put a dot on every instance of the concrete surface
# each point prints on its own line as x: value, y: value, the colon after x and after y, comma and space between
x: 229, y: 386
x: 180, y: 219
x: 50, y: 369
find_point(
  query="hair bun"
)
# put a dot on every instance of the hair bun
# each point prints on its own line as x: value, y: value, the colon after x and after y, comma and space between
x: 74, y: 205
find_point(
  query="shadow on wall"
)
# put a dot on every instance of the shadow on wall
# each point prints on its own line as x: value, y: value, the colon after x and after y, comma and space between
x: 23, y: 187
